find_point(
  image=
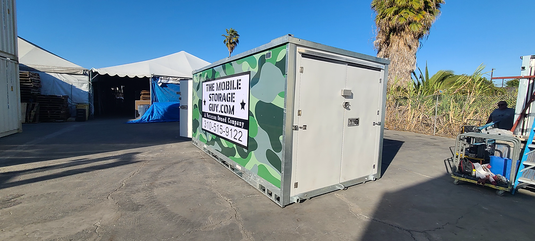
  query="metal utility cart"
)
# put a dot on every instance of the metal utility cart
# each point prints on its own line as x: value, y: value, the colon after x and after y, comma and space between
x: 482, y: 148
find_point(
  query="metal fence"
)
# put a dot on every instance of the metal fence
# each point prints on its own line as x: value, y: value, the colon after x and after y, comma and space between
x: 441, y: 115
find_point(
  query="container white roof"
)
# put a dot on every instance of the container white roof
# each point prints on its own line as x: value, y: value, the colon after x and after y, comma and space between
x: 179, y: 65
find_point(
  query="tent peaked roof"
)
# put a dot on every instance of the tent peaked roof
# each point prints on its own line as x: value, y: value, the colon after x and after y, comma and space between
x: 33, y: 57
x: 179, y: 65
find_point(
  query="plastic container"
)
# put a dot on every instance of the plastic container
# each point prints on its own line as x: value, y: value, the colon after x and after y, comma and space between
x: 502, y: 166
x: 142, y: 109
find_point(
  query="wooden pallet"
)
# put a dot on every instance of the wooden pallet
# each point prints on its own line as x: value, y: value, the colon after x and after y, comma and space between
x: 28, y: 74
x: 33, y: 84
x: 30, y: 86
x: 53, y: 107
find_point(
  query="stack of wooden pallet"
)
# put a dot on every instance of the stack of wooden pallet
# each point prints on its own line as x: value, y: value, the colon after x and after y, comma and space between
x: 30, y: 86
x: 145, y: 95
x: 53, y: 107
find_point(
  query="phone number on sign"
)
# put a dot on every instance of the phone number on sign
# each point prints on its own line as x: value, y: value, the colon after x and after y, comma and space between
x: 226, y: 131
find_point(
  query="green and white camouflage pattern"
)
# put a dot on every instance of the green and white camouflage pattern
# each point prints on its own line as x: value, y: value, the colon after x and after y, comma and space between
x: 266, y: 112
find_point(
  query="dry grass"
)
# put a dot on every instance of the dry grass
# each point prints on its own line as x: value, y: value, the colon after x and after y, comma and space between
x: 417, y: 113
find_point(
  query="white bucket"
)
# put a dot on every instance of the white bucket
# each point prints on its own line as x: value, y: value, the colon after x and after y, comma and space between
x: 142, y: 109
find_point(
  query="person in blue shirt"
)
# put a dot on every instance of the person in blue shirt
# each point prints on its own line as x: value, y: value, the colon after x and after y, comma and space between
x: 503, y: 117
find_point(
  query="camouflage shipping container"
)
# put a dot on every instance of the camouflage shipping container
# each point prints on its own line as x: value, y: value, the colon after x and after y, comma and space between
x: 293, y: 118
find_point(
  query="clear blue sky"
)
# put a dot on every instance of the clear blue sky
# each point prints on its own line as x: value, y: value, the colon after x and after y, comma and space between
x: 103, y: 33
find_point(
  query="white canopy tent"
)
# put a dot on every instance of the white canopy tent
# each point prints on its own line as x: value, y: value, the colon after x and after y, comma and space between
x: 138, y: 76
x: 58, y: 76
x: 177, y: 65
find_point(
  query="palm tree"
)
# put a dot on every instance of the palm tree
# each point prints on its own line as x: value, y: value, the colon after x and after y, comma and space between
x: 401, y: 24
x: 425, y: 85
x: 231, y: 40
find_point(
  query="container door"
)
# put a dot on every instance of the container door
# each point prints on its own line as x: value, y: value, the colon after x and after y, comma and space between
x: 10, y: 113
x: 186, y: 108
x: 318, y: 124
x: 362, y: 127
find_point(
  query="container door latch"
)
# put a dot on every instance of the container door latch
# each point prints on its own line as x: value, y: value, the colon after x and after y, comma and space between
x: 296, y: 127
x: 353, y: 122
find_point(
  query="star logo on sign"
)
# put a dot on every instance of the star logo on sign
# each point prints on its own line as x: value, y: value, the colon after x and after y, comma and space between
x: 242, y: 105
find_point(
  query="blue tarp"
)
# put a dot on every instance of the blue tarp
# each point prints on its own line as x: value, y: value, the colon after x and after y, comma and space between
x: 160, y: 112
x: 164, y: 92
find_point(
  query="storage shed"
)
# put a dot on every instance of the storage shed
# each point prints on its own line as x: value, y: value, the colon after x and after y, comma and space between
x: 293, y: 118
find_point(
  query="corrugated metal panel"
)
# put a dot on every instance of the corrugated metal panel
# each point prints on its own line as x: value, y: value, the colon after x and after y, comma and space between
x: 10, y: 114
x: 8, y: 29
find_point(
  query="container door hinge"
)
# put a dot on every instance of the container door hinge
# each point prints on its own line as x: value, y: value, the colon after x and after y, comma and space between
x: 377, y: 112
x: 301, y: 69
x: 380, y: 80
x: 376, y: 123
x: 296, y: 184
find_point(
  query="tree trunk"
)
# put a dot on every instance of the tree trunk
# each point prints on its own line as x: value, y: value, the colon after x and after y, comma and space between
x: 402, y: 54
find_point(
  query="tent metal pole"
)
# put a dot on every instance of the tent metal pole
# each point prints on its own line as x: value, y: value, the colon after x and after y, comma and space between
x: 90, y: 94
x: 150, y: 88
x: 99, y: 95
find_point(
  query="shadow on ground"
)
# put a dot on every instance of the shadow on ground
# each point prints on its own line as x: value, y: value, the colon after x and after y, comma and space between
x: 390, y: 150
x: 71, y: 168
x: 47, y: 151
x: 50, y: 141
x: 466, y: 212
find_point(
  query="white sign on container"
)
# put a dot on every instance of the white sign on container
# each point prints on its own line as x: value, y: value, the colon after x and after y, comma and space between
x: 225, y: 108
